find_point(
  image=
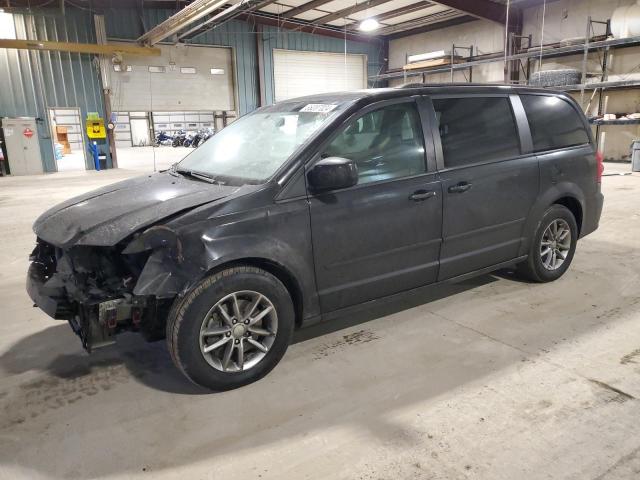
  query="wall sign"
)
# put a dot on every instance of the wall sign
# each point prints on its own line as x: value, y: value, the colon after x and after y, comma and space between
x: 28, y: 132
x: 95, y: 128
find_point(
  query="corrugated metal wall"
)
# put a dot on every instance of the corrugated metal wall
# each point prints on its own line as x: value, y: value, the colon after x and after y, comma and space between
x: 126, y: 24
x: 34, y: 81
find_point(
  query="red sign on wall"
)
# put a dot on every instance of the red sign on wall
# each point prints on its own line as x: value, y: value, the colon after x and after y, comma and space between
x: 28, y: 133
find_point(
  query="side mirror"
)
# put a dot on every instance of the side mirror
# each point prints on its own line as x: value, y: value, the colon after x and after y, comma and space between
x: 333, y: 173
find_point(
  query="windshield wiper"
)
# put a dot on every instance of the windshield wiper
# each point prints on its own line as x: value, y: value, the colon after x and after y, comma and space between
x: 172, y: 170
x: 199, y: 175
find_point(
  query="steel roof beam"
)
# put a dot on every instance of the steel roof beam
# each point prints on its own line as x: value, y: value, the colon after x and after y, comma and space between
x: 484, y: 9
x: 96, y: 48
x: 414, y: 7
x: 409, y: 30
x: 225, y: 15
x: 9, y: 5
x: 298, y: 25
x: 180, y: 20
x: 305, y: 7
x: 431, y: 20
x: 358, y: 7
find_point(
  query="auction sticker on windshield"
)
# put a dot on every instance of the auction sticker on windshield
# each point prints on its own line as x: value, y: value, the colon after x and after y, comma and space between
x: 318, y: 108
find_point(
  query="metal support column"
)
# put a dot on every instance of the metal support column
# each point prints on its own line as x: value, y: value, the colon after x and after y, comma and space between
x: 101, y: 37
x: 453, y: 50
x: 585, y: 57
x: 260, y: 46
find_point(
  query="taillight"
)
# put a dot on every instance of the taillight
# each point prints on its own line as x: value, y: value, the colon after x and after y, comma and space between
x: 599, y: 166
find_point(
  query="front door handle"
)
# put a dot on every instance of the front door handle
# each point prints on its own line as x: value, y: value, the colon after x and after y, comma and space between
x: 421, y: 195
x: 460, y: 187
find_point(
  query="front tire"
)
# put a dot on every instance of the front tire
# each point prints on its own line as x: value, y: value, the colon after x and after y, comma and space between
x: 231, y: 329
x: 552, y: 247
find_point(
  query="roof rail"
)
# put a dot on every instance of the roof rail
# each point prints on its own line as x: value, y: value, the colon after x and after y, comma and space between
x: 453, y: 84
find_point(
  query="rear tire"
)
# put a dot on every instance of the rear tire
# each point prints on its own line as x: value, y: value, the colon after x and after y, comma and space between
x: 552, y: 247
x: 211, y: 332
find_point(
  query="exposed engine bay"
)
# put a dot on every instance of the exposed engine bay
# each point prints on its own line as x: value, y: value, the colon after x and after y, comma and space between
x: 109, y: 261
x: 114, y: 259
x: 93, y: 289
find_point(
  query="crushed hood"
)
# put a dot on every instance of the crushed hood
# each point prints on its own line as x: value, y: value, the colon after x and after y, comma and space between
x: 108, y: 215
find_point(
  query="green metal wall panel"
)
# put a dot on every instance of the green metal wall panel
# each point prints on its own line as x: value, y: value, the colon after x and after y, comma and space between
x: 34, y: 81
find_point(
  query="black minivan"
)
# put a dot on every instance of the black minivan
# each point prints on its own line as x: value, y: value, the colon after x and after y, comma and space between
x: 314, y: 205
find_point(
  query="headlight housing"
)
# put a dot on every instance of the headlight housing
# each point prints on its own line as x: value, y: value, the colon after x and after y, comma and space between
x: 154, y: 238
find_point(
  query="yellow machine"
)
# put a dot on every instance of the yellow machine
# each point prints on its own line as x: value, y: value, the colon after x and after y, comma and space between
x: 95, y: 128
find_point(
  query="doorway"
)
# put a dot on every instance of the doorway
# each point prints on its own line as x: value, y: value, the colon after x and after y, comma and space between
x: 68, y: 139
x: 139, y: 132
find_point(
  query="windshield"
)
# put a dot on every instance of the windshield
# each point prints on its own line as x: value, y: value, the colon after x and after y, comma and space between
x: 252, y: 148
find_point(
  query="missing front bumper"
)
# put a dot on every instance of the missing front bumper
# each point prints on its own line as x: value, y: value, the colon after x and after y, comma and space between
x: 92, y: 291
x: 47, y: 296
x: 92, y: 333
x: 84, y: 320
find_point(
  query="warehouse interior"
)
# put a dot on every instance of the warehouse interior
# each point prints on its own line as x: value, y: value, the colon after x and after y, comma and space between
x: 487, y: 378
x: 260, y: 52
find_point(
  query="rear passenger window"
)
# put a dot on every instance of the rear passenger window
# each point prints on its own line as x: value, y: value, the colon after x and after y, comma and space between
x: 554, y: 122
x: 476, y: 129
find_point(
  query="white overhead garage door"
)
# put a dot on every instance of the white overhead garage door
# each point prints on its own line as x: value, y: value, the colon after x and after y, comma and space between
x: 182, y: 78
x: 297, y: 73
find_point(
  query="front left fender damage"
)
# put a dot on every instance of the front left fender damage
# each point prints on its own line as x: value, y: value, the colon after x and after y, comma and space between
x: 167, y: 271
x: 131, y: 285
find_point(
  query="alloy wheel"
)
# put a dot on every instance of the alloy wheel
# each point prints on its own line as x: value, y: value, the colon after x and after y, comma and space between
x: 555, y: 244
x: 238, y: 331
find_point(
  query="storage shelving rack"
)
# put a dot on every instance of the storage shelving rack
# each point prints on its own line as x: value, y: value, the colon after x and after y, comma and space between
x: 454, y: 57
x: 547, y: 52
x: 524, y: 59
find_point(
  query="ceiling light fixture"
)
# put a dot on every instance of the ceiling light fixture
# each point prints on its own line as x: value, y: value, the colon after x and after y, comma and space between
x: 369, y: 25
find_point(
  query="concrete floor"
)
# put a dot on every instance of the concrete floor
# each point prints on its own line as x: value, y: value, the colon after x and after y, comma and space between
x: 490, y: 379
x: 73, y: 161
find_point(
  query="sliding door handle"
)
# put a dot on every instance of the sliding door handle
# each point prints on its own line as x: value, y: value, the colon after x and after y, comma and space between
x: 459, y: 188
x: 422, y: 195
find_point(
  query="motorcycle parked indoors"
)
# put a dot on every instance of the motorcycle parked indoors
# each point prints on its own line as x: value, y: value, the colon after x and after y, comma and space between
x: 197, y: 138
x: 208, y: 133
x: 163, y: 139
x: 179, y: 138
x: 202, y: 136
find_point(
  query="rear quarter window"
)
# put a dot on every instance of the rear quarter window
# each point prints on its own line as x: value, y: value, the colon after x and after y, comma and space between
x: 554, y: 122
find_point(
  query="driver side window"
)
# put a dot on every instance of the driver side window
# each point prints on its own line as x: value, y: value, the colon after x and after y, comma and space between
x: 385, y: 143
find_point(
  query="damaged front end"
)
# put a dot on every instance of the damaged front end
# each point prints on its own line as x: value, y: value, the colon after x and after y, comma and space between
x: 92, y: 287
x: 109, y: 260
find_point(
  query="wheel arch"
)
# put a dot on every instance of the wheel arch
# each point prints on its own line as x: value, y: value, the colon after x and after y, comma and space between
x: 567, y: 194
x: 276, y: 269
x: 574, y: 206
